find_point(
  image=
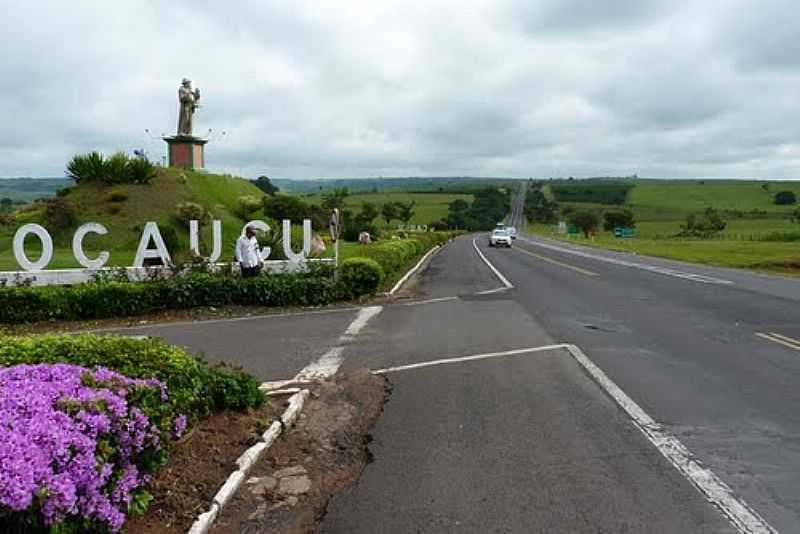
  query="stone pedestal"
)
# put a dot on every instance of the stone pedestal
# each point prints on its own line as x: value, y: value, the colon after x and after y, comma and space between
x: 186, y: 151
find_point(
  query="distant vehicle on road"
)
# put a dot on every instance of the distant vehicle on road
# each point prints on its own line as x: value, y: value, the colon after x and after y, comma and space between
x: 500, y: 237
x: 512, y: 231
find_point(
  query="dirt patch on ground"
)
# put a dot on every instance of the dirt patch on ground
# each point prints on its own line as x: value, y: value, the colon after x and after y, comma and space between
x: 198, y: 467
x: 325, y: 452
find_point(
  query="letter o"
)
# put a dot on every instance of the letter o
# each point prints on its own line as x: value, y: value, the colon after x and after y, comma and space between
x: 19, y: 247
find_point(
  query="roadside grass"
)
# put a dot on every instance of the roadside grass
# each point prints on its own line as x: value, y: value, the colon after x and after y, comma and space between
x: 430, y: 207
x: 660, y: 208
x: 773, y: 257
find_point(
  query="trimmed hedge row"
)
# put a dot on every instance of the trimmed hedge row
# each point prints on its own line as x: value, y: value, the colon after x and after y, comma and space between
x: 394, y: 256
x: 195, y: 387
x: 105, y: 299
x: 100, y: 300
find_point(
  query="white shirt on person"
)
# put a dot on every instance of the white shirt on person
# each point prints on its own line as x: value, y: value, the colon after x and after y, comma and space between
x: 247, y: 253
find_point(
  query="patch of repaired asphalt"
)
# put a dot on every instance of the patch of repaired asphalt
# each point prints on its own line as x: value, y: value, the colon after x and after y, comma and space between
x: 324, y: 453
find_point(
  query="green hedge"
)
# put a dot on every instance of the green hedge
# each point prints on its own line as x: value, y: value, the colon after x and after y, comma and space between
x: 361, y: 276
x: 394, y: 255
x: 105, y: 299
x: 195, y: 387
x: 98, y: 300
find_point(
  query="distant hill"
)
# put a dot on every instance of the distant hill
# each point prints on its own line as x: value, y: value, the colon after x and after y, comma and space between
x: 388, y: 185
x: 29, y: 189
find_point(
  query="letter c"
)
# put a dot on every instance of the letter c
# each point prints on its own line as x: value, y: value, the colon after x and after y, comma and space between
x: 77, y: 246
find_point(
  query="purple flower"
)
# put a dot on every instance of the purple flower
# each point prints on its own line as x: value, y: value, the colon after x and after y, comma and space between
x: 180, y: 426
x: 69, y: 441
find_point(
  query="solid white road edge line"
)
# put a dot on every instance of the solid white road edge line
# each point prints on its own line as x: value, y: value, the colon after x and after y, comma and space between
x: 667, y: 271
x: 414, y: 269
x: 330, y: 362
x: 742, y: 517
x: 497, y: 273
x: 246, y: 461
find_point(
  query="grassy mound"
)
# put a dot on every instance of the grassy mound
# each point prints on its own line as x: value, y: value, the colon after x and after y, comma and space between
x: 123, y: 208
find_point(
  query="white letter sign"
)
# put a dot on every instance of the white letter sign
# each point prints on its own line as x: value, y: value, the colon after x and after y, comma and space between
x: 19, y: 247
x: 194, y: 239
x: 144, y: 252
x: 261, y: 226
x: 287, y: 241
x: 77, y: 246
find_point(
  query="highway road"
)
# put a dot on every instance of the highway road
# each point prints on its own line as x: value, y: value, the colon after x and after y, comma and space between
x: 495, y: 426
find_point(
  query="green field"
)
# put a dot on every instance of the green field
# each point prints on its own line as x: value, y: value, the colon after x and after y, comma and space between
x: 661, y: 207
x: 430, y: 206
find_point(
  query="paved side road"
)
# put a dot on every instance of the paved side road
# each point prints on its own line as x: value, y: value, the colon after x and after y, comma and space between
x: 524, y: 443
x: 529, y: 443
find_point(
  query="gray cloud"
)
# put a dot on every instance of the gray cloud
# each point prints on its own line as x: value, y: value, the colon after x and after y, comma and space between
x: 511, y: 87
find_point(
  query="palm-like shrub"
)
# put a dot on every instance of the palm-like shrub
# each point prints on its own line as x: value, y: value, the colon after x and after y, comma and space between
x: 87, y: 168
x: 117, y: 168
x: 140, y: 171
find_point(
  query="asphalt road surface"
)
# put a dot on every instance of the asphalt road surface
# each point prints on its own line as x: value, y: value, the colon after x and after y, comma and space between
x: 530, y: 442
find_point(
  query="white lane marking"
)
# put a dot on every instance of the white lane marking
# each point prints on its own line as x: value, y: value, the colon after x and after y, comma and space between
x: 776, y: 338
x: 413, y: 270
x: 329, y: 363
x: 460, y: 359
x: 497, y: 273
x: 742, y: 517
x: 430, y: 301
x: 703, y: 279
x: 491, y: 291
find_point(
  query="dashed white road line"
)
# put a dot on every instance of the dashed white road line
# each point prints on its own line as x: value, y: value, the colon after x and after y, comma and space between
x: 742, y: 517
x: 329, y: 363
x: 497, y: 273
x: 701, y: 278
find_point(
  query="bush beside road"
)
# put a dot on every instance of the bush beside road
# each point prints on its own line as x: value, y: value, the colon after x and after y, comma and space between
x: 317, y: 287
x: 90, y: 420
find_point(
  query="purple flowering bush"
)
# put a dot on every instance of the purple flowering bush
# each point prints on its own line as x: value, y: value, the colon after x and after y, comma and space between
x: 77, y: 446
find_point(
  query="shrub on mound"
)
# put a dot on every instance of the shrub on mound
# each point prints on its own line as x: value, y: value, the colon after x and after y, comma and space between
x: 360, y: 276
x: 195, y: 387
x: 77, y: 445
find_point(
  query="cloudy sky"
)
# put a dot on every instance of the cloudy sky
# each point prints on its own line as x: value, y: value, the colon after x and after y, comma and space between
x: 674, y: 88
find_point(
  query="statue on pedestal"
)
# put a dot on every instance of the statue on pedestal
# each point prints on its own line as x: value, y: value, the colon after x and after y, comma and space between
x: 188, y: 105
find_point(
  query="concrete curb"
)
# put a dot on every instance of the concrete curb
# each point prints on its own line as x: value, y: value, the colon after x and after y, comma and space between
x: 246, y: 461
x: 414, y: 269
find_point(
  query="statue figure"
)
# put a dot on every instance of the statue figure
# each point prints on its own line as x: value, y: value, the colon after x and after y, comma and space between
x: 188, y: 104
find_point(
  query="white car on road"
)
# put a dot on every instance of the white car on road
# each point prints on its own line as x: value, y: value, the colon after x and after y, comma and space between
x: 512, y: 232
x: 500, y: 237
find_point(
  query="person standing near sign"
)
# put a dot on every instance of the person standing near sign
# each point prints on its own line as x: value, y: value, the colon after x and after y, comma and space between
x: 247, y: 253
